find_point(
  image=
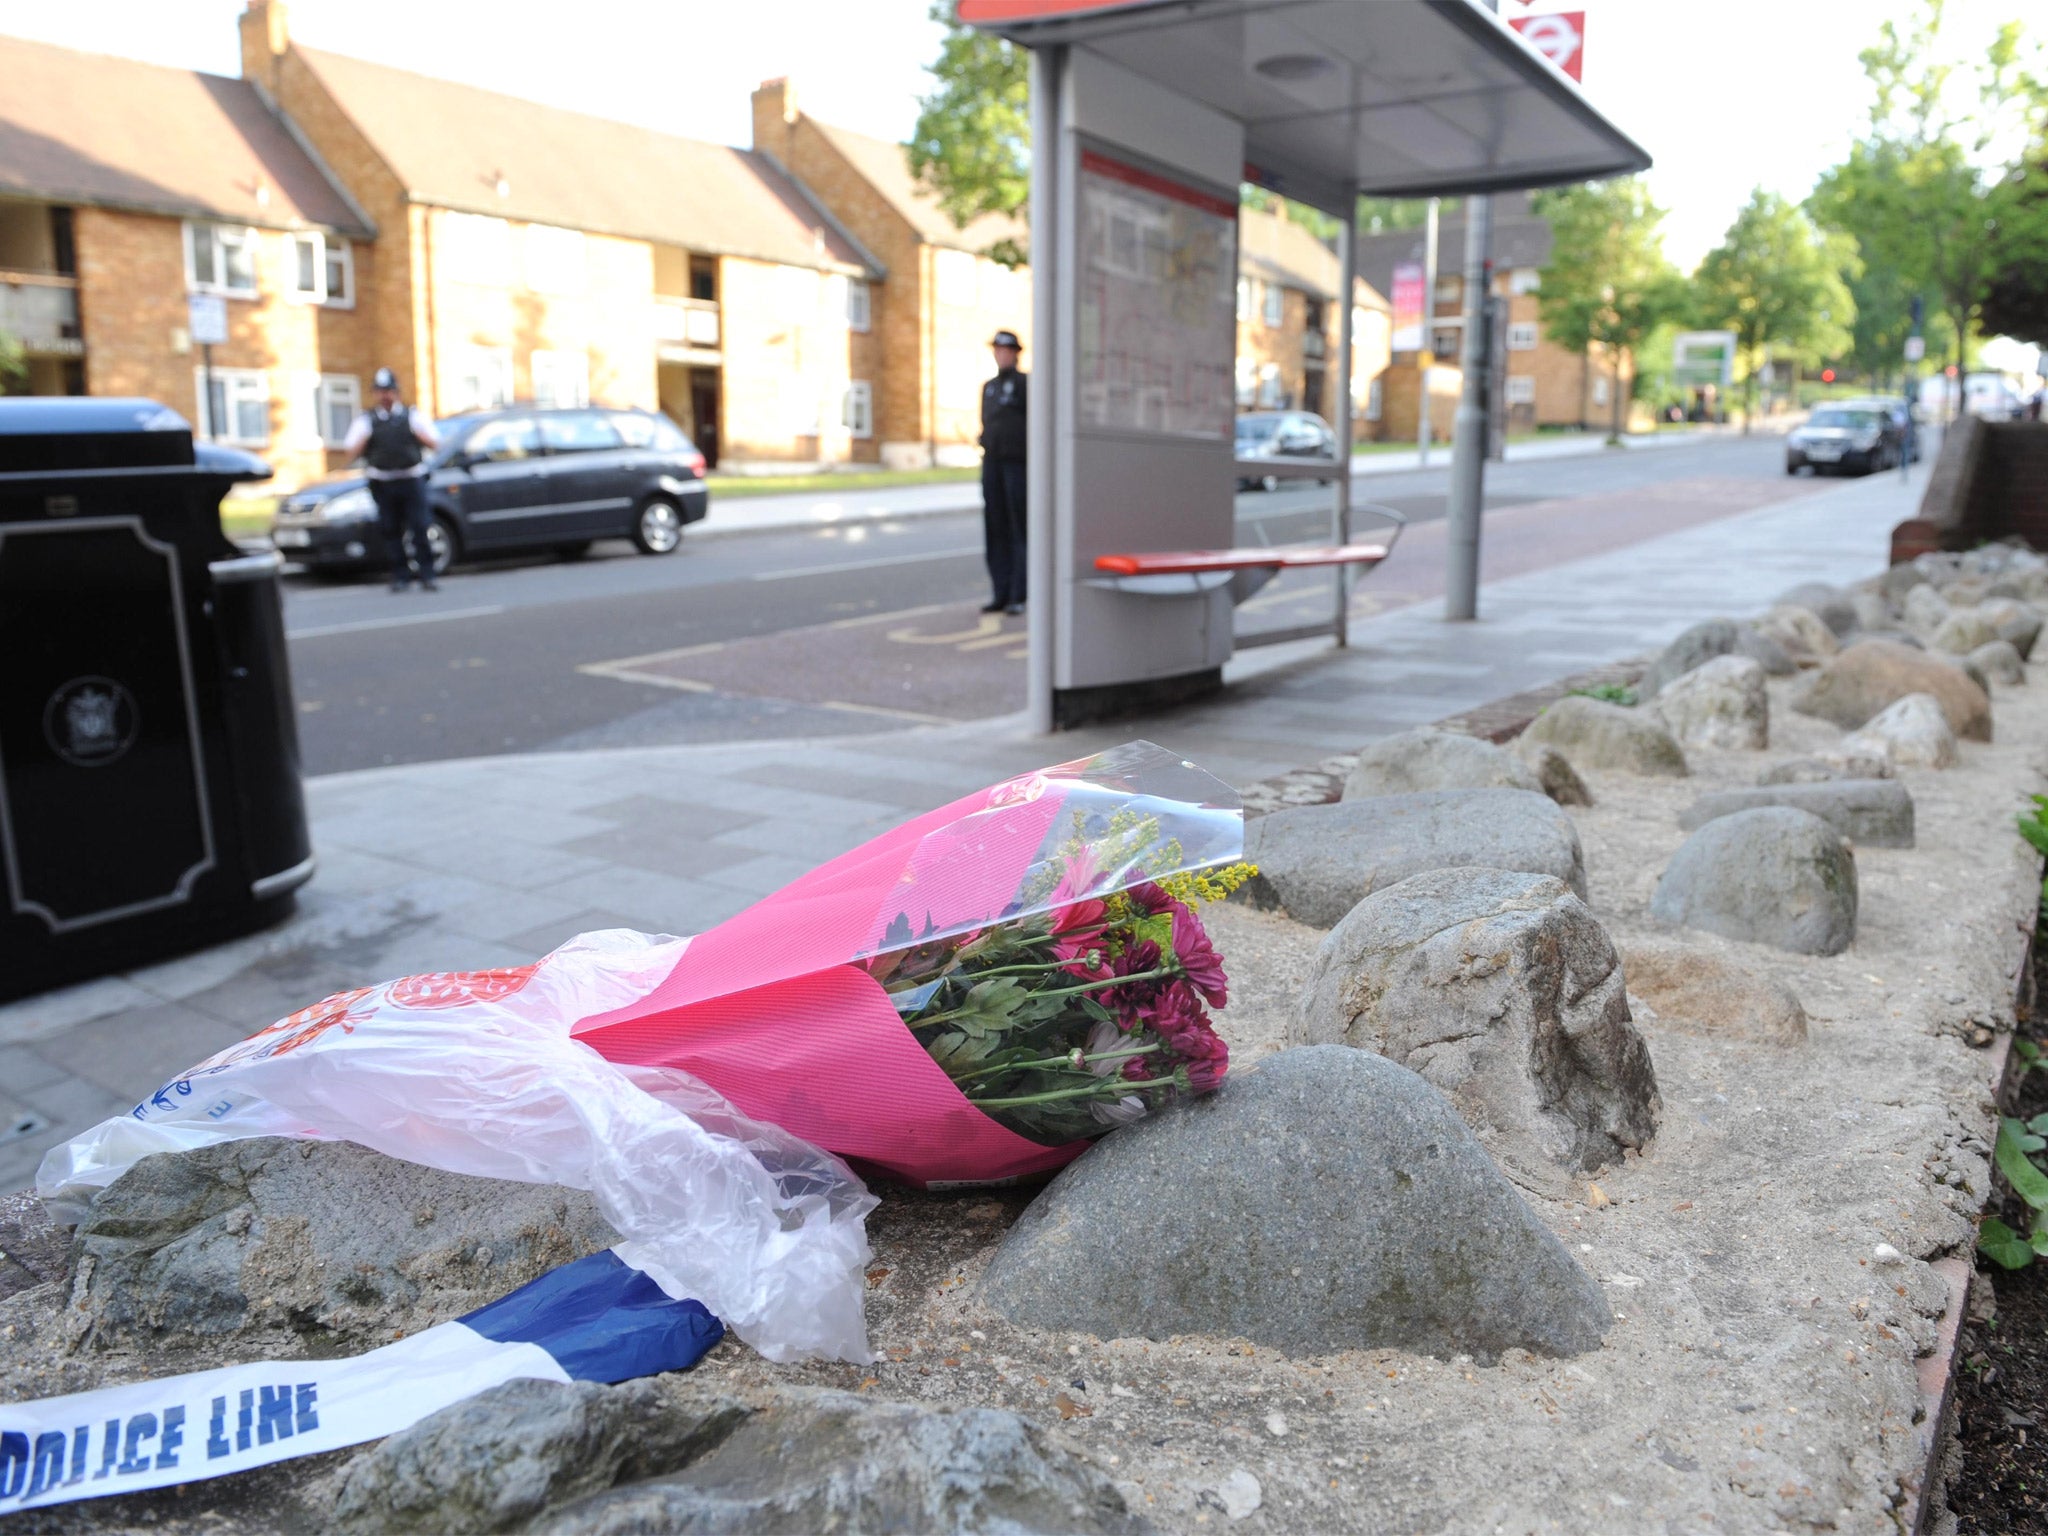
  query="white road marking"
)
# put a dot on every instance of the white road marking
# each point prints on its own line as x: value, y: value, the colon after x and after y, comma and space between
x: 396, y: 622
x: 862, y: 565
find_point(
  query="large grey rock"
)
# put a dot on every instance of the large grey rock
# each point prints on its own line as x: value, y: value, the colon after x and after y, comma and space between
x: 1554, y: 771
x: 1430, y: 759
x: 1872, y: 674
x: 1963, y: 631
x: 1501, y: 990
x: 1899, y: 580
x: 1831, y: 605
x: 1596, y: 734
x: 1773, y: 875
x: 1912, y: 733
x: 1325, y: 1200
x: 317, y: 1237
x: 1825, y: 768
x: 2018, y: 623
x: 1923, y: 609
x: 1317, y: 862
x: 1720, y: 703
x: 1805, y: 638
x: 1703, y: 642
x: 2001, y: 662
x: 833, y: 1462
x: 1693, y: 988
x: 1872, y: 611
x: 494, y: 1461
x: 1878, y: 812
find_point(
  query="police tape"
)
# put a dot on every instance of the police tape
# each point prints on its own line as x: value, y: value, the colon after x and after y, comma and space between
x: 597, y: 1319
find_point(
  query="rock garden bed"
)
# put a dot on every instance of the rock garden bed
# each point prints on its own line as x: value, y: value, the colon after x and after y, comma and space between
x: 1550, y: 1192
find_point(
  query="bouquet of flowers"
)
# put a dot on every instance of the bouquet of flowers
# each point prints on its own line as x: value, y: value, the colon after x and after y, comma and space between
x: 969, y: 998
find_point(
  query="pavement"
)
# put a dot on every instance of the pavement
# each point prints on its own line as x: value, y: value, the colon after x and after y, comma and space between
x: 491, y: 861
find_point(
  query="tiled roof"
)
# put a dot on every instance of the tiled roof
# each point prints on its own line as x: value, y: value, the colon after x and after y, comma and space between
x: 454, y: 146
x: 1521, y: 238
x: 87, y: 128
x: 886, y: 167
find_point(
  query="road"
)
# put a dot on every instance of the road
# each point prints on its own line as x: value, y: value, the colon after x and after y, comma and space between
x: 863, y: 626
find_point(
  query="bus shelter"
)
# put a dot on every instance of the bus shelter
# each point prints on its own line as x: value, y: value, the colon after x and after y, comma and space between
x: 1147, y: 115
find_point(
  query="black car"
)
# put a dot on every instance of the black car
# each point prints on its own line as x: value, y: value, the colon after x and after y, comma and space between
x: 520, y: 478
x: 1861, y: 435
x: 1281, y: 435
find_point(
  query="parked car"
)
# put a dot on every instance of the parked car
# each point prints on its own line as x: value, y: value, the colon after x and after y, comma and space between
x: 1895, y: 407
x: 1842, y: 435
x: 519, y: 478
x: 1281, y: 435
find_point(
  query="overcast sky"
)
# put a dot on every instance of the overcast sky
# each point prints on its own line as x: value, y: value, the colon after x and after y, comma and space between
x: 1725, y: 95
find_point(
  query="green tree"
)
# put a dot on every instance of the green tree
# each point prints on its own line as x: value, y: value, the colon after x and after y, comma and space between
x: 13, y: 364
x: 1607, y: 282
x: 1913, y: 190
x: 972, y: 142
x: 1778, y: 283
x: 2015, y: 299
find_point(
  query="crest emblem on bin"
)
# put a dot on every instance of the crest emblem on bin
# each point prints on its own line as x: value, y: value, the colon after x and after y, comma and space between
x: 91, y: 721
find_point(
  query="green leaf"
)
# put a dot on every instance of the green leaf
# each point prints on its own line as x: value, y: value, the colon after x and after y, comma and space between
x: 2027, y: 1180
x: 2038, y: 1125
x: 2003, y: 1246
x: 2029, y: 1142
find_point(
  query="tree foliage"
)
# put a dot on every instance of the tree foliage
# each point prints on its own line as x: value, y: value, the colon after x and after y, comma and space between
x: 1607, y: 282
x: 1377, y: 215
x: 2015, y: 299
x: 972, y: 143
x: 1778, y: 283
x: 1913, y: 190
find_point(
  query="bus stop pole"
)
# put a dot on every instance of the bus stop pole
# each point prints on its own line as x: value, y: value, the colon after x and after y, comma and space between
x: 1340, y: 509
x: 1422, y: 422
x: 1468, y: 451
x: 1040, y: 422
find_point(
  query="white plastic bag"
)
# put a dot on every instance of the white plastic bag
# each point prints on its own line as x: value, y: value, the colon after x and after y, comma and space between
x: 475, y: 1073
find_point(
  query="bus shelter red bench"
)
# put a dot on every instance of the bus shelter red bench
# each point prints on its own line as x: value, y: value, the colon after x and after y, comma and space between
x: 1165, y: 573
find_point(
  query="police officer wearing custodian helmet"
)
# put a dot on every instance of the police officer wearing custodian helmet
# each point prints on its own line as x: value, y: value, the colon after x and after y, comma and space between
x: 1002, y: 475
x: 393, y: 440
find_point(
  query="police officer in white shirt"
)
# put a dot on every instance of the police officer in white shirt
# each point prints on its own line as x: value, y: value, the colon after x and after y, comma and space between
x: 393, y: 441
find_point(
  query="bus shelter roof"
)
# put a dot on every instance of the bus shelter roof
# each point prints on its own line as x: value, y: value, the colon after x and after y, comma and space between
x: 1389, y: 97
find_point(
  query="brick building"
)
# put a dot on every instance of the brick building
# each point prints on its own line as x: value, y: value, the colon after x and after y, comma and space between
x: 1287, y: 320
x: 943, y: 296
x: 177, y: 183
x: 1545, y: 385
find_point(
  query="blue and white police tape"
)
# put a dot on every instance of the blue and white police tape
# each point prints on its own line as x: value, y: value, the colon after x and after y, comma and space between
x: 598, y: 1319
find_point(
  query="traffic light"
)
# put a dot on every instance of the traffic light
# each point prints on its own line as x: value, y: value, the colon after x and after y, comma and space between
x: 1827, y: 375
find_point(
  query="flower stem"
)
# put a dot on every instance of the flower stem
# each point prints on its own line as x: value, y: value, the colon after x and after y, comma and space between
x: 1093, y: 986
x: 1057, y: 1061
x: 1122, y: 1086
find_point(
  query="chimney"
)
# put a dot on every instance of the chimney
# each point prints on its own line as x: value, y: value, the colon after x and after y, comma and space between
x: 774, y: 113
x: 264, y: 40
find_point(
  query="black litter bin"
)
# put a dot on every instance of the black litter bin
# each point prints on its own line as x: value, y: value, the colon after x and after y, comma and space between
x: 150, y: 798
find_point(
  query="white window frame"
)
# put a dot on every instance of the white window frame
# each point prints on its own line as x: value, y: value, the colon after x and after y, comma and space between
x: 1600, y: 392
x: 1274, y: 312
x: 217, y: 237
x: 1244, y: 299
x: 1375, y: 396
x: 336, y: 394
x: 238, y: 387
x: 859, y: 305
x: 1450, y: 289
x: 857, y: 408
x: 1523, y: 335
x: 474, y: 248
x: 1519, y: 389
x: 322, y: 291
x: 1525, y: 280
x: 557, y: 259
x: 485, y: 365
x: 556, y: 367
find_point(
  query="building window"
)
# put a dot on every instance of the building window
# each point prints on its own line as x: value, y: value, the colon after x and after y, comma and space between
x: 1450, y: 290
x: 1269, y: 385
x: 1599, y: 392
x: 1524, y: 280
x: 327, y: 404
x: 474, y: 248
x: 561, y: 378
x: 1244, y: 299
x: 1520, y: 389
x: 555, y: 259
x: 479, y: 379
x: 958, y: 281
x: 1375, y: 397
x: 858, y: 412
x: 799, y: 408
x: 236, y: 407
x: 1522, y: 336
x: 858, y: 309
x: 323, y: 270
x: 1276, y: 305
x: 220, y: 258
x: 1445, y: 341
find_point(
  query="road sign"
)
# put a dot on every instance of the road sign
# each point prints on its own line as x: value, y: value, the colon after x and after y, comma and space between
x: 208, y: 318
x: 1703, y: 357
x: 1560, y: 37
x: 1916, y: 348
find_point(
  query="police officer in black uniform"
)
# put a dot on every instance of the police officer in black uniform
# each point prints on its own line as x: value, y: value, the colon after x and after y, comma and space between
x: 393, y: 440
x: 1002, y: 475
